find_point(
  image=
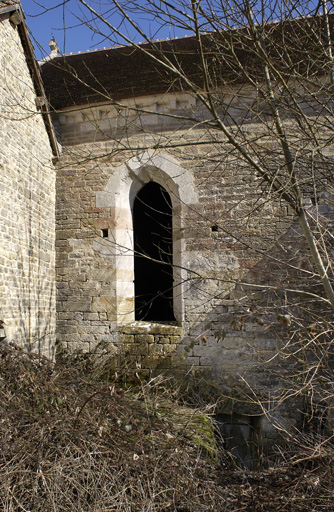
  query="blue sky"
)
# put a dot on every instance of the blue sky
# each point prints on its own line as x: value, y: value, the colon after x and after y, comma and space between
x: 59, y: 22
x: 72, y: 35
x: 63, y: 20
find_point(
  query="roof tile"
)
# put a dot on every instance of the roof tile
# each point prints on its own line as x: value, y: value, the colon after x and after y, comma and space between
x: 6, y: 3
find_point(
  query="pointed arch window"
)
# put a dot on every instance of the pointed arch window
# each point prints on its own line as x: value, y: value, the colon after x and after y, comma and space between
x: 123, y: 187
x: 153, y: 254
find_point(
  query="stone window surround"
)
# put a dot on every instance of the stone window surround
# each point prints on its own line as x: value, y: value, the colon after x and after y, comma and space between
x: 119, y: 195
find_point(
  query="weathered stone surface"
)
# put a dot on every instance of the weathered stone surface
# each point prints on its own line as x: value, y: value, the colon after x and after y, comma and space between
x: 206, y: 194
x: 144, y: 338
x: 27, y: 210
x: 222, y: 227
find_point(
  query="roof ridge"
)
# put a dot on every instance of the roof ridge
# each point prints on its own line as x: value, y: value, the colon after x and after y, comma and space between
x: 187, y: 36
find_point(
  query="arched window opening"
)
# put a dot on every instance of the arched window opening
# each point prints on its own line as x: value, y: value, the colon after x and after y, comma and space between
x: 153, y: 260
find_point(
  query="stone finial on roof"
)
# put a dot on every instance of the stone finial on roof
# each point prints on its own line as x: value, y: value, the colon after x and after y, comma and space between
x: 55, y: 51
x: 54, y: 46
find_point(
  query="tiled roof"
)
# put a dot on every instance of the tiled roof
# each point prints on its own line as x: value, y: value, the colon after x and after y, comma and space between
x: 6, y: 3
x: 127, y: 72
x: 120, y: 72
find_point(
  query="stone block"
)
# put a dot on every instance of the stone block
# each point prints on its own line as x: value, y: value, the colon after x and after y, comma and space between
x: 125, y: 338
x: 192, y: 361
x: 102, y: 304
x: 138, y: 349
x: 91, y: 316
x: 78, y: 305
x: 144, y: 338
x: 169, y: 349
x: 164, y: 340
x: 165, y: 330
x: 156, y: 350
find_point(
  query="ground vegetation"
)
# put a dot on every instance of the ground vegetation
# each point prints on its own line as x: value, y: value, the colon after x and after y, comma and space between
x: 74, y: 440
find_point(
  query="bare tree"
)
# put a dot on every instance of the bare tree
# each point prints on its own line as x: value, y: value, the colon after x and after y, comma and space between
x: 268, y: 56
x: 261, y: 75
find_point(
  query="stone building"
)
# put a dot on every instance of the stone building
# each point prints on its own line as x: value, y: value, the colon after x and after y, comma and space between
x: 162, y: 230
x: 169, y: 255
x: 27, y: 179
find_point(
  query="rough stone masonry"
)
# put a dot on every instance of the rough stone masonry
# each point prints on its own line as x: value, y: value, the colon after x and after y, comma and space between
x: 27, y: 209
x: 107, y: 159
x: 125, y: 131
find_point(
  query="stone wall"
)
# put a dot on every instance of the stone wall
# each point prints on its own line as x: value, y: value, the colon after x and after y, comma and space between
x: 220, y: 223
x: 27, y: 179
x: 146, y: 346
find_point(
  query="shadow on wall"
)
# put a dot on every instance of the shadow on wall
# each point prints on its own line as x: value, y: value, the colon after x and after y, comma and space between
x: 28, y: 314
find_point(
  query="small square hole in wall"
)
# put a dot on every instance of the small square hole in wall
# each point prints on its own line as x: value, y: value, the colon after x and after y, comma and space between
x: 104, y: 233
x: 214, y: 228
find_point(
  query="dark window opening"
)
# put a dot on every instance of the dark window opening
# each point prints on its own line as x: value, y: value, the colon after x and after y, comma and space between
x: 241, y: 436
x: 104, y: 233
x: 214, y: 228
x: 153, y: 261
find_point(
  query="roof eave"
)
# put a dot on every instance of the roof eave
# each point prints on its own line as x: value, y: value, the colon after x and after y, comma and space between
x: 34, y: 71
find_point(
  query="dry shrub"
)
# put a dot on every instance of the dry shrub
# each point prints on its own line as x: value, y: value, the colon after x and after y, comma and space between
x: 70, y: 442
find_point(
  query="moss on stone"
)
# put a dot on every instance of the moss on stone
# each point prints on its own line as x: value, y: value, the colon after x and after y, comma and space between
x: 193, y: 423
